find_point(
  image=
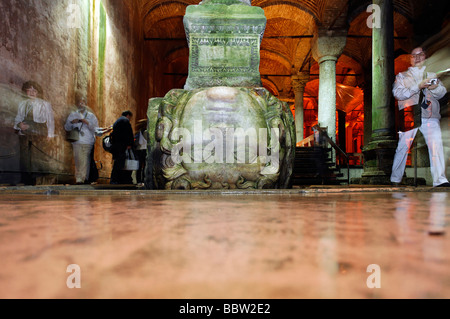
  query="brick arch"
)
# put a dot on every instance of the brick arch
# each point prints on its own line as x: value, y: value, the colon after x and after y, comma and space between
x: 312, y: 7
x: 291, y: 12
x: 270, y: 86
x: 165, y: 20
x: 282, y: 62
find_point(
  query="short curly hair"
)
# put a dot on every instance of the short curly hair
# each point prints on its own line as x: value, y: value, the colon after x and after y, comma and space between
x: 32, y: 84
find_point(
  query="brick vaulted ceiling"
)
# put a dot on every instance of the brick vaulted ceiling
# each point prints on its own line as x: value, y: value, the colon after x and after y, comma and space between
x: 286, y: 47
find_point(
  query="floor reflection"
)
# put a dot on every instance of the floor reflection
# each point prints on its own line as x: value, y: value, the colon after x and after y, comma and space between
x: 226, y: 246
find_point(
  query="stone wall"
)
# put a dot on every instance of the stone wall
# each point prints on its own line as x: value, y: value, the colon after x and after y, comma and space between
x: 68, y: 45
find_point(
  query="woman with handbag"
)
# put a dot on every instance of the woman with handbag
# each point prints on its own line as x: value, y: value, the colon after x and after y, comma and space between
x: 82, y: 126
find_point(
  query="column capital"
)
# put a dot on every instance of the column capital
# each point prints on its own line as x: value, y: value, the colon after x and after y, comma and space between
x: 328, y: 45
x: 299, y: 81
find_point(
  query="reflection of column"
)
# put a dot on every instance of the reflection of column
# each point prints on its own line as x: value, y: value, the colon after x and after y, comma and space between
x: 298, y: 84
x: 326, y: 50
x: 379, y: 153
x: 404, y: 207
x: 434, y: 249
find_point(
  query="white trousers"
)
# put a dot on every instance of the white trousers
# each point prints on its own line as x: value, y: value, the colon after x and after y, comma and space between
x: 433, y: 137
x: 82, y: 156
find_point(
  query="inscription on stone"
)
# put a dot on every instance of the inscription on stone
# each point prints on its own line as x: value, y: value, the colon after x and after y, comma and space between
x: 224, y: 55
x: 224, y: 43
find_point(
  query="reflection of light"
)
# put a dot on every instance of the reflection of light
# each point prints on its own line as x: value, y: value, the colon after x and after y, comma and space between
x: 95, y: 10
x: 108, y: 27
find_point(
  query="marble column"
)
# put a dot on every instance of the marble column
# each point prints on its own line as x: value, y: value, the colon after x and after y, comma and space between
x: 379, y: 154
x: 368, y: 104
x: 327, y: 46
x: 299, y: 82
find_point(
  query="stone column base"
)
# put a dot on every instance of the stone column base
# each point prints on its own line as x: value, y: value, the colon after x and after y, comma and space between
x: 378, y: 160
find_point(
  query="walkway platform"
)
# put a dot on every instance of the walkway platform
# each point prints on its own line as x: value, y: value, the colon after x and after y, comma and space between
x: 371, y: 242
x: 106, y: 189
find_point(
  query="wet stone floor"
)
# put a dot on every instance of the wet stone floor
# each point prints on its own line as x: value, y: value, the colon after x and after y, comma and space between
x: 225, y: 246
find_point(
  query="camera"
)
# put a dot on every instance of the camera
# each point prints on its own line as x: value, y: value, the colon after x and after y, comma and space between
x: 433, y: 82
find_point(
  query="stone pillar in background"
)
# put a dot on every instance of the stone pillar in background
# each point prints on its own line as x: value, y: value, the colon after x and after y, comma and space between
x: 327, y: 47
x: 367, y: 104
x: 342, y: 131
x: 379, y: 154
x: 299, y: 82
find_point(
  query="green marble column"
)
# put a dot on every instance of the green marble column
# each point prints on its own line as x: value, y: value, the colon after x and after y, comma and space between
x: 367, y: 104
x: 379, y: 154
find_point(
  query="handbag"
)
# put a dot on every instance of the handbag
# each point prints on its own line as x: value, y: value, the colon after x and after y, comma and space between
x: 73, y: 135
x: 107, y: 143
x: 131, y: 164
x: 417, y: 109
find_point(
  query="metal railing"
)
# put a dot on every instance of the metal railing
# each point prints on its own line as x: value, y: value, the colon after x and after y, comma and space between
x: 323, y: 133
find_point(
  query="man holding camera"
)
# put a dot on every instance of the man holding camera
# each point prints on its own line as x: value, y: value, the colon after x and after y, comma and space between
x: 420, y: 89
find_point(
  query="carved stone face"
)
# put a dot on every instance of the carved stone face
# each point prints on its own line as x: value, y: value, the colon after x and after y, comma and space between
x: 228, y: 124
x: 222, y: 138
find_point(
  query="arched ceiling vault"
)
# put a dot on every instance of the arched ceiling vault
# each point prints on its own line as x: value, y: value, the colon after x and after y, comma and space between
x: 165, y: 21
x: 286, y: 46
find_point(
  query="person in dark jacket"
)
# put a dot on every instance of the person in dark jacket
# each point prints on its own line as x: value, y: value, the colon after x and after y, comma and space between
x: 122, y: 140
x: 141, y: 147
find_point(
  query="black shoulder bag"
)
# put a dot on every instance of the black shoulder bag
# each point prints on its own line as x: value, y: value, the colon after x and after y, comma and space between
x: 417, y: 108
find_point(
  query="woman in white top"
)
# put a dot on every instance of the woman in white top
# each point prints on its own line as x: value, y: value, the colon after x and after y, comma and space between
x: 35, y: 115
x: 35, y: 126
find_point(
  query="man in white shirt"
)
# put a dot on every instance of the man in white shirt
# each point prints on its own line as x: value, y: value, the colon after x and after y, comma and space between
x: 407, y: 90
x: 86, y: 122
